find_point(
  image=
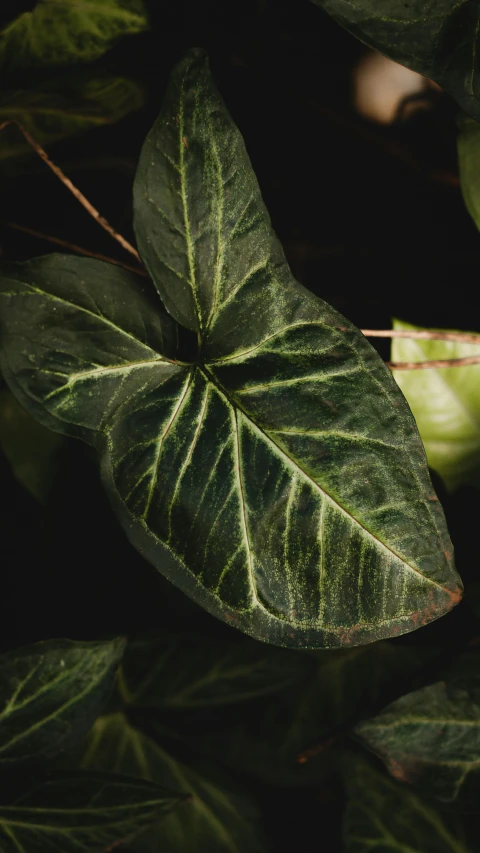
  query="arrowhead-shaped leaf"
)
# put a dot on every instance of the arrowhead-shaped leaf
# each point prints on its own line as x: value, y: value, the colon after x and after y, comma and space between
x: 73, y: 812
x: 383, y: 815
x: 215, y: 819
x: 280, y: 479
x: 431, y: 737
x: 186, y: 671
x: 445, y: 403
x: 51, y: 693
x: 439, y: 39
x: 68, y: 31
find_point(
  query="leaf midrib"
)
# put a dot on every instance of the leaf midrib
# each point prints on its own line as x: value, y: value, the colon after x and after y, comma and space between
x: 211, y: 378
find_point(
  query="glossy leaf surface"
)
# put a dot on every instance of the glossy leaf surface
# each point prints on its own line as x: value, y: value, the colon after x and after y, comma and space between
x: 214, y: 819
x: 383, y: 815
x: 185, y: 672
x: 439, y: 39
x: 431, y: 737
x: 445, y: 403
x: 73, y: 812
x: 68, y: 31
x: 279, y: 480
x: 50, y: 693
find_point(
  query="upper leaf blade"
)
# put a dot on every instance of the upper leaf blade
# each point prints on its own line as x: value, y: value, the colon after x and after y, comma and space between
x: 81, y: 811
x: 201, y: 225
x: 50, y: 693
x: 68, y: 31
x: 439, y: 39
x: 445, y: 403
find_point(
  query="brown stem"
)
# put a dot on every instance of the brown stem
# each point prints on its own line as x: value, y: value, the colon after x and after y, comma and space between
x: 442, y: 362
x: 74, y: 248
x: 460, y: 337
x: 73, y: 189
x: 315, y: 750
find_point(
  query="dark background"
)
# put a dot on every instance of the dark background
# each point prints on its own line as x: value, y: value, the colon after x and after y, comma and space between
x: 367, y: 222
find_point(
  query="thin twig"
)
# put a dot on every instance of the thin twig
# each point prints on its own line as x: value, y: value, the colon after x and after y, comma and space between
x: 441, y: 362
x: 74, y: 248
x: 313, y: 751
x: 460, y: 337
x: 73, y: 189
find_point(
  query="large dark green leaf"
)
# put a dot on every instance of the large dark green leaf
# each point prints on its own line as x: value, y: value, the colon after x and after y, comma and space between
x: 74, y: 812
x: 56, y: 110
x: 438, y: 38
x: 445, y: 403
x: 187, y: 671
x: 431, y: 737
x: 386, y: 817
x: 50, y: 693
x: 280, y: 480
x: 68, y: 31
x: 215, y: 820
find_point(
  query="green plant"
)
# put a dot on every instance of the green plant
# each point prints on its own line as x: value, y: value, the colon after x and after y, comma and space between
x: 260, y: 454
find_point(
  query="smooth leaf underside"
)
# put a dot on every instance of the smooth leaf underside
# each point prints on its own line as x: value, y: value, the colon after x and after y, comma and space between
x: 445, y: 403
x: 431, y: 738
x: 97, y: 812
x: 280, y: 480
x: 437, y: 38
x: 50, y: 693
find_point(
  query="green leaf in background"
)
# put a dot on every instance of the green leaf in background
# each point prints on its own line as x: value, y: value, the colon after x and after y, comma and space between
x: 386, y: 817
x: 279, y: 480
x: 468, y: 147
x: 69, y: 105
x: 187, y: 671
x: 215, y: 820
x: 29, y: 447
x: 336, y: 691
x: 58, y: 32
x: 445, y: 403
x: 431, y: 737
x: 72, y: 812
x: 439, y: 39
x: 50, y: 694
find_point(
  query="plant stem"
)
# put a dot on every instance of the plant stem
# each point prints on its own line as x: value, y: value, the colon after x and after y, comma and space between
x: 459, y: 337
x: 74, y: 248
x: 73, y: 189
